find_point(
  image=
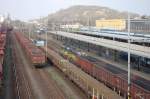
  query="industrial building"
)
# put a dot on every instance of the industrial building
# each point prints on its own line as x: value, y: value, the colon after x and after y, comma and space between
x: 115, y: 24
x: 136, y: 25
x: 140, y: 25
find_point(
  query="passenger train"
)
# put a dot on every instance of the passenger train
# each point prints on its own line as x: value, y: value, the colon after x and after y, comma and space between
x: 96, y: 31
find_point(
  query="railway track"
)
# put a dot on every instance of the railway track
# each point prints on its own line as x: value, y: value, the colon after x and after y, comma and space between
x: 54, y: 91
x: 71, y: 90
x: 81, y: 79
x: 116, y: 70
x: 8, y: 75
x: 23, y: 87
x: 56, y: 48
x: 73, y: 71
x: 39, y: 85
x: 58, y: 45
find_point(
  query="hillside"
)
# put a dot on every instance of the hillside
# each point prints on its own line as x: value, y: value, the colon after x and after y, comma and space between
x: 86, y: 15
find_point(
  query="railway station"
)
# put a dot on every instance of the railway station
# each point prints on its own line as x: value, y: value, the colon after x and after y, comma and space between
x: 79, y: 52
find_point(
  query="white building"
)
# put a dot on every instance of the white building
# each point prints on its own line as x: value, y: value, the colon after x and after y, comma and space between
x: 71, y: 26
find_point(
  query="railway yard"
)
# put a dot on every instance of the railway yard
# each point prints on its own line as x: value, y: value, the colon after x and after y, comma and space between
x: 70, y: 56
x: 74, y: 49
x: 32, y: 83
x: 72, y: 65
x: 61, y: 71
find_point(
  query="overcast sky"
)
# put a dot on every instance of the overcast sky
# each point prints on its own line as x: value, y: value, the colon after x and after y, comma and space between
x: 30, y: 9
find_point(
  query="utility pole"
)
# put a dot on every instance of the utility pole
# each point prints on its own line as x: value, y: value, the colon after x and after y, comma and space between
x: 29, y: 29
x: 29, y: 32
x: 46, y: 38
x: 129, y: 67
x: 89, y: 22
x: 46, y: 43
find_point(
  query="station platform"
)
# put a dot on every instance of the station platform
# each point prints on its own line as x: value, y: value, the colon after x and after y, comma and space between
x: 120, y: 46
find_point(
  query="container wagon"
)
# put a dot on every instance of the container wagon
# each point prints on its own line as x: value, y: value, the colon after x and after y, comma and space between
x: 111, y: 76
x: 36, y: 56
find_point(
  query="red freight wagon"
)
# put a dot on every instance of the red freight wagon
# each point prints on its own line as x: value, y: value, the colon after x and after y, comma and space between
x: 120, y: 82
x: 1, y: 56
x: 2, y: 46
x: 85, y: 65
x: 121, y: 85
x: 114, y: 77
x: 104, y: 76
x: 36, y: 56
x: 137, y: 92
x: 1, y: 72
x: 3, y: 35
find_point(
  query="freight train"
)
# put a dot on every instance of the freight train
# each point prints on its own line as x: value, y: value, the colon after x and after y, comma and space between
x: 2, y: 48
x: 113, y: 77
x: 4, y: 28
x: 36, y: 56
x: 92, y: 88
